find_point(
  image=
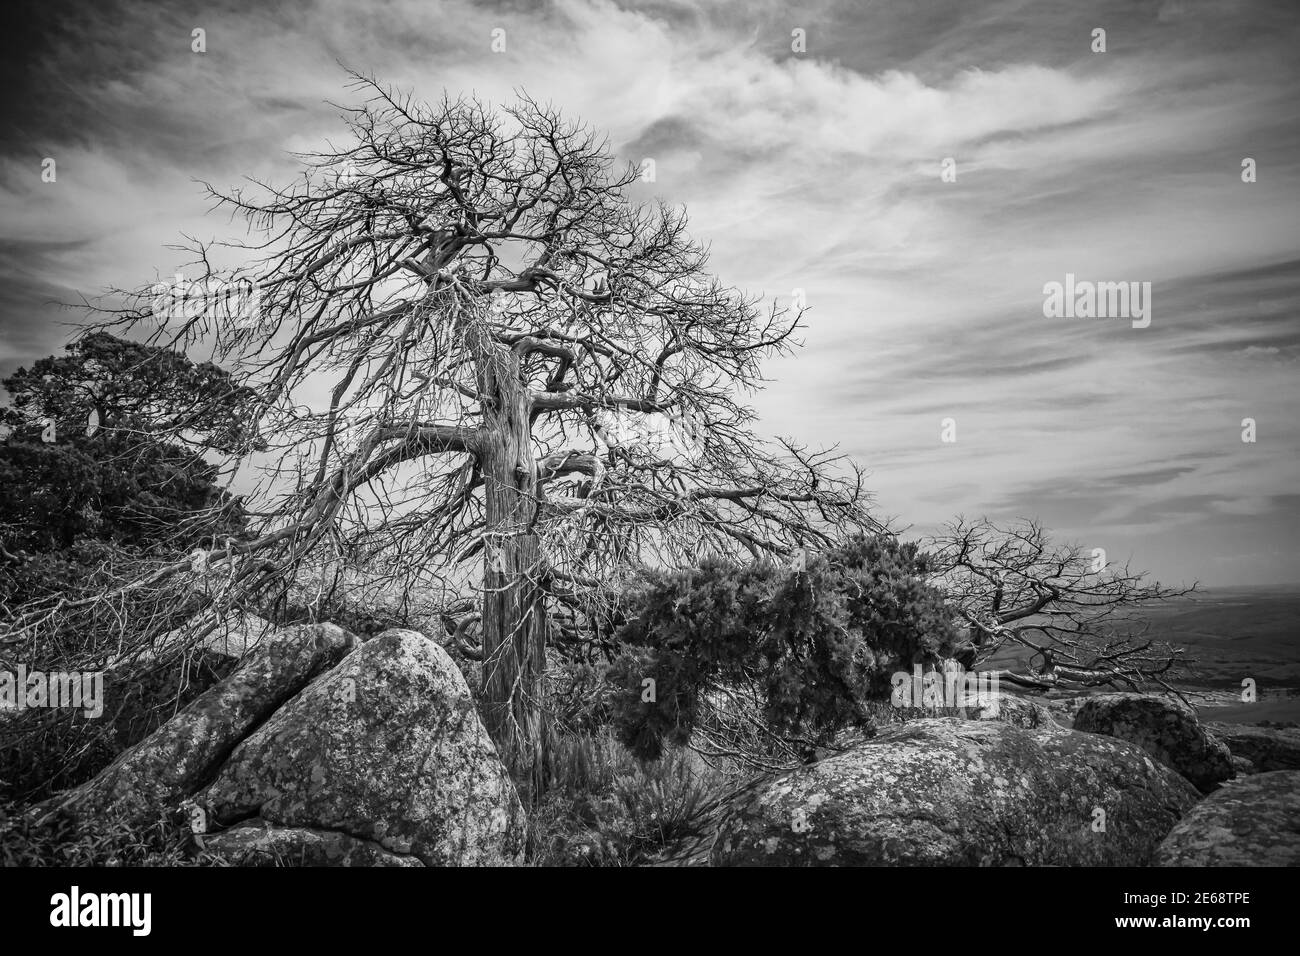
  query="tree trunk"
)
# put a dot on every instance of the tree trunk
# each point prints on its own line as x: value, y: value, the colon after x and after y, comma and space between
x: 514, y: 614
x: 514, y: 659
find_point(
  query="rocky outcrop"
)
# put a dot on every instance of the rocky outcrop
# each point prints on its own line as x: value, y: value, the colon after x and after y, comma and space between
x: 387, y: 749
x: 321, y: 751
x: 1254, y: 821
x: 960, y: 793
x: 1167, y: 729
x: 185, y: 752
x: 1267, y: 748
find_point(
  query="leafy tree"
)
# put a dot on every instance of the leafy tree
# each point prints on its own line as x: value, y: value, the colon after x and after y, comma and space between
x: 812, y: 646
x: 103, y: 451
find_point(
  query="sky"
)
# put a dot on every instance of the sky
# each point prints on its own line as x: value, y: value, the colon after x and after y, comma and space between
x: 808, y: 143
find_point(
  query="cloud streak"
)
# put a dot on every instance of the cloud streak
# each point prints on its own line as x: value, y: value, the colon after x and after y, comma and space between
x: 818, y: 172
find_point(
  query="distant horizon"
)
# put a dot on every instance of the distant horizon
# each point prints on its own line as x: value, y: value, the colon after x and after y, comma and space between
x: 1295, y: 586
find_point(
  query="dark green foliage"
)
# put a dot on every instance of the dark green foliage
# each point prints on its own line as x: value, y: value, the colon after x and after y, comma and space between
x: 140, y: 478
x: 115, y: 488
x: 132, y: 388
x: 817, y: 644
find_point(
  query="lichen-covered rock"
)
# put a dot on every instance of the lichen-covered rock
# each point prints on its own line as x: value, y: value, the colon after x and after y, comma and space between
x: 1167, y: 729
x: 184, y: 752
x: 1254, y: 821
x: 1268, y: 748
x: 386, y: 748
x: 961, y: 793
x: 250, y: 845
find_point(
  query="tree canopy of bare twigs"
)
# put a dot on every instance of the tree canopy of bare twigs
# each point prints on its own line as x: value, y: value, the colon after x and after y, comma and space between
x: 1063, y: 613
x: 480, y: 367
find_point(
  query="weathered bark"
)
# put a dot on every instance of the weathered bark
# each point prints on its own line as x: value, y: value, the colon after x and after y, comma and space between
x: 514, y: 658
x: 514, y: 614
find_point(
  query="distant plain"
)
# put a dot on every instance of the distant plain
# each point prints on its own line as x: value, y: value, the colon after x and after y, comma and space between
x: 1228, y: 635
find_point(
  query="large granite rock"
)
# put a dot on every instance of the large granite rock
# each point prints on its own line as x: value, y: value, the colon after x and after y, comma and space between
x: 185, y: 752
x: 960, y: 793
x: 388, y: 749
x: 1167, y: 729
x: 1254, y: 821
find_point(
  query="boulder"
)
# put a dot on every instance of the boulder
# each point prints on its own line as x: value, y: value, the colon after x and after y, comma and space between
x: 387, y: 748
x: 186, y: 751
x: 250, y: 845
x: 1167, y: 729
x: 1268, y: 748
x: 957, y: 792
x: 1254, y: 821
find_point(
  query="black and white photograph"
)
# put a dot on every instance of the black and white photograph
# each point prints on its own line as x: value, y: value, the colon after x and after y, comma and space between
x: 486, y: 434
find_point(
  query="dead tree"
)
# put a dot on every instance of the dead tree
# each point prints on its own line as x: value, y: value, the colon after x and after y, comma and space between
x: 480, y: 367
x: 1069, y: 618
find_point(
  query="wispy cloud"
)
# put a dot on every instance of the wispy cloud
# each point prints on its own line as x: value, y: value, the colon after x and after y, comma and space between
x: 821, y: 172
